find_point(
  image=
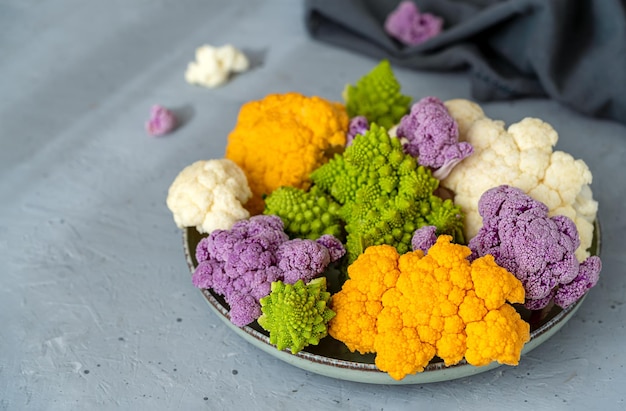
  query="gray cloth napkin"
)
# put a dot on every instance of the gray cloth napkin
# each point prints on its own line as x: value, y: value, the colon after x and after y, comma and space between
x: 573, y: 51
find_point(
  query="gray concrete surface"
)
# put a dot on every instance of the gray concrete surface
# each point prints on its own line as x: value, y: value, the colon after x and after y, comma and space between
x: 96, y: 307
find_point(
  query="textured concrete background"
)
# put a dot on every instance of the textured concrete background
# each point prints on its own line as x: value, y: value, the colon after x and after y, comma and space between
x: 97, y: 310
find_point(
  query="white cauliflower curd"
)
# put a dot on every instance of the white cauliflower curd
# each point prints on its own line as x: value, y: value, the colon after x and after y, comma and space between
x: 209, y: 195
x: 521, y: 156
x: 214, y: 65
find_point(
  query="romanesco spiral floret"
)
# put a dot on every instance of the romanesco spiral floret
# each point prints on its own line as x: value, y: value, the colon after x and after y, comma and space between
x: 296, y: 315
x: 377, y: 97
x: 446, y: 217
x: 306, y: 214
x: 385, y: 195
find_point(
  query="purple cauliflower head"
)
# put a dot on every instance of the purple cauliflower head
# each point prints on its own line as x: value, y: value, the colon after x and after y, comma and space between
x: 202, y: 252
x: 161, y: 121
x: 358, y: 125
x: 336, y: 250
x: 268, y: 227
x: 539, y: 250
x: 244, y: 308
x: 302, y: 259
x: 206, y: 275
x: 432, y: 136
x: 424, y: 238
x: 241, y: 263
x: 588, y: 276
x: 411, y: 27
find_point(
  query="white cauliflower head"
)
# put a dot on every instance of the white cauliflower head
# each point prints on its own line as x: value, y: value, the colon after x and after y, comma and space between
x: 214, y: 65
x: 521, y: 156
x: 209, y: 195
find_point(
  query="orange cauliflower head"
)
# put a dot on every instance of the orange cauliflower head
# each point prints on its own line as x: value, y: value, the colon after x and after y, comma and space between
x: 360, y: 301
x: 279, y: 140
x: 439, y: 305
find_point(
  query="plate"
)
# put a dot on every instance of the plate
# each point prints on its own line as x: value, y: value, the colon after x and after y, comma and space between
x: 332, y: 358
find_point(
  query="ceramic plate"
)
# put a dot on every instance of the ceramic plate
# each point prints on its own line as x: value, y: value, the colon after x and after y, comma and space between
x: 333, y: 359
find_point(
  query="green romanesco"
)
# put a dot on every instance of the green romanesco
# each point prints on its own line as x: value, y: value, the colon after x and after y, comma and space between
x: 385, y: 195
x: 306, y: 214
x: 377, y: 97
x: 446, y: 216
x: 296, y: 315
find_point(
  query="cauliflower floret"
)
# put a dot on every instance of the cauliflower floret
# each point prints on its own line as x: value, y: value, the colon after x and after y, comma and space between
x: 432, y: 137
x: 537, y: 249
x: 214, y: 65
x: 521, y: 156
x: 209, y: 195
x: 280, y: 139
x: 408, y: 308
x: 242, y: 263
x: 410, y: 26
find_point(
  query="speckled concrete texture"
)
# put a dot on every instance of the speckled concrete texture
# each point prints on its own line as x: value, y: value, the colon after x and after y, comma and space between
x: 96, y: 304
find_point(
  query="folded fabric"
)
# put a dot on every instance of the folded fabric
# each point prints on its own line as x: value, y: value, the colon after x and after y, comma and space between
x: 573, y: 51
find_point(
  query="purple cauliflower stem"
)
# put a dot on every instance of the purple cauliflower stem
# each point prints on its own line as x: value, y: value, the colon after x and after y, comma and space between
x: 424, y: 238
x: 358, y: 125
x: 241, y: 263
x: 539, y: 250
x: 411, y: 27
x: 432, y: 136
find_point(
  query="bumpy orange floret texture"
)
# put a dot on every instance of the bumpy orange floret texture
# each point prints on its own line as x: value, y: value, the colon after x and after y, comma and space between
x: 279, y: 140
x: 360, y: 301
x: 439, y: 304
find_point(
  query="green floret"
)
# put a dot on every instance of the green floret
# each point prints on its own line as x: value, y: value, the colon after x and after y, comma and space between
x: 377, y: 97
x: 385, y: 195
x: 306, y: 214
x: 296, y: 315
x: 447, y: 217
